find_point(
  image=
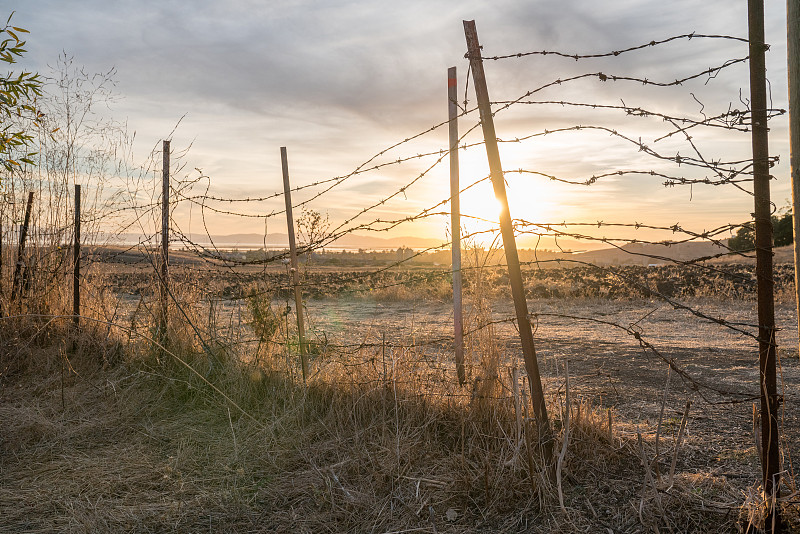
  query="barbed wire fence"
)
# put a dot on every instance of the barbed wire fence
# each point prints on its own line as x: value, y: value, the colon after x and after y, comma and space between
x: 238, y: 302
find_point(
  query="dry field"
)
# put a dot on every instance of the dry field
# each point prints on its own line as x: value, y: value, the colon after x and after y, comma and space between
x: 108, y: 432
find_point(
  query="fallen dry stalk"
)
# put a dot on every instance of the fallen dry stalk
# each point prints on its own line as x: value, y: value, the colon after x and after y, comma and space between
x: 565, y: 440
x: 678, y: 442
x: 660, y: 422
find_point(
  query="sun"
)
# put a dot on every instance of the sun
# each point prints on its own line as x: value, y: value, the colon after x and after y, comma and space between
x: 480, y: 206
x: 480, y: 214
x: 528, y: 201
x: 531, y: 197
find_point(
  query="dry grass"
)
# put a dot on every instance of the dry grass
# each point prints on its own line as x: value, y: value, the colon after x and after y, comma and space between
x: 108, y: 432
x: 150, y: 448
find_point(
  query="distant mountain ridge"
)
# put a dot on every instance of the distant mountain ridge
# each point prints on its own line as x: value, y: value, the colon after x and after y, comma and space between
x: 628, y: 254
x: 650, y: 253
x: 349, y: 240
x: 273, y: 240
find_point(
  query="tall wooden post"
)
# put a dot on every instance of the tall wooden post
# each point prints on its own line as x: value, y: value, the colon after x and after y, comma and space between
x: 509, y: 244
x: 455, y: 224
x: 76, y: 271
x: 2, y: 292
x: 20, y: 267
x: 793, y: 56
x: 767, y: 349
x: 298, y: 296
x: 164, y: 238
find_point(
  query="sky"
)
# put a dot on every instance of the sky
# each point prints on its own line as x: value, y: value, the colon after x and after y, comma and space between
x: 337, y: 82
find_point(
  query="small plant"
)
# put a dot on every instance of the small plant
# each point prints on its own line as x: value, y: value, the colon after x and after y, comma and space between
x: 265, y: 322
x: 313, y: 229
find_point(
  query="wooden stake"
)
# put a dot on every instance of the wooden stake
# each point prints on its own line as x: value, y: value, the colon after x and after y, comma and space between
x: 164, y: 238
x: 2, y: 289
x: 19, y: 269
x: 510, y: 246
x: 298, y: 296
x: 455, y: 224
x: 770, y: 460
x: 76, y: 272
x: 793, y: 55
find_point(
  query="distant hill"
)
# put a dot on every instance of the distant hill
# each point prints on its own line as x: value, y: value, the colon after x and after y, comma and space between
x: 630, y: 254
x: 371, y: 242
x: 560, y: 244
x: 278, y: 240
x: 648, y: 254
x: 627, y: 255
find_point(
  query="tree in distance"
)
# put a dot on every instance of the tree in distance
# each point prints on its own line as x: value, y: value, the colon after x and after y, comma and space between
x: 745, y: 238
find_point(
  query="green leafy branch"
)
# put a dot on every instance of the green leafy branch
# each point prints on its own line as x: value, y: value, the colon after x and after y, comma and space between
x: 18, y: 93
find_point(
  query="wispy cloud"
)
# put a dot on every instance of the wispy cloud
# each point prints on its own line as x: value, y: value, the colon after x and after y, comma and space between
x: 337, y: 81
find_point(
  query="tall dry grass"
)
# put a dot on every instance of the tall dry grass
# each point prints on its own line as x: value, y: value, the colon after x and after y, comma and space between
x: 112, y: 429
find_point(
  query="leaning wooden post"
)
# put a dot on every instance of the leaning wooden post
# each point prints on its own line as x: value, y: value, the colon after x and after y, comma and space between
x: 23, y: 235
x: 76, y: 271
x: 509, y: 244
x: 793, y: 55
x: 455, y: 224
x: 767, y: 347
x: 164, y: 238
x: 298, y: 296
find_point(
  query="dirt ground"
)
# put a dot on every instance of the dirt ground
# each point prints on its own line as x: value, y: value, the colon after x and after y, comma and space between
x: 608, y: 366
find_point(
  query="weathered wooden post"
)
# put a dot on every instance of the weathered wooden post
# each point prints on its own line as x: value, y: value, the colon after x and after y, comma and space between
x: 455, y: 224
x: 298, y: 296
x: 76, y: 271
x: 767, y: 347
x: 793, y: 56
x: 20, y: 267
x: 164, y: 239
x: 2, y: 289
x: 510, y: 245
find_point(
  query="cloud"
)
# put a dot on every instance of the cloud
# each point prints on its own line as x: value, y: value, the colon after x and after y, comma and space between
x: 338, y: 81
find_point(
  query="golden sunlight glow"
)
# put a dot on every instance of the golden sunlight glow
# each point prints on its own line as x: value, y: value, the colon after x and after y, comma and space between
x: 530, y: 199
x: 479, y: 206
x: 534, y: 199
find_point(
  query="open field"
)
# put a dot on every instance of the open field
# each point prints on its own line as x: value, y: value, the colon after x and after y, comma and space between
x: 114, y: 434
x: 172, y: 361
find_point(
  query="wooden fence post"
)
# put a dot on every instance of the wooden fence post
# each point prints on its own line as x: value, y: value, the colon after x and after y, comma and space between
x: 164, y: 239
x: 767, y: 347
x: 76, y: 272
x: 455, y: 224
x: 510, y: 246
x: 20, y: 268
x: 298, y: 296
x: 793, y: 56
x: 2, y: 278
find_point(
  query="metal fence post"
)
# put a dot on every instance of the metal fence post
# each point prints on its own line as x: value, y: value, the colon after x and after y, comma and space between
x: 455, y: 224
